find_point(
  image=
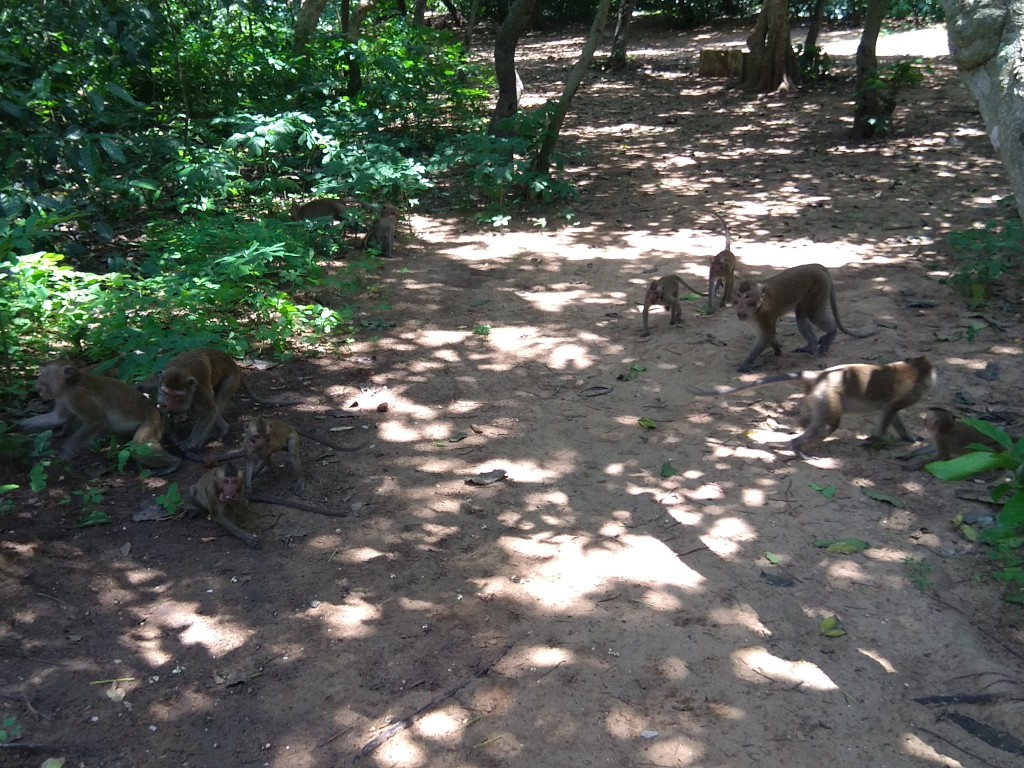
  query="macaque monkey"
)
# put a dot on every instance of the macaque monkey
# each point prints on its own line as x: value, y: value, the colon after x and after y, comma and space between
x: 723, y: 270
x: 382, y: 233
x: 950, y: 438
x: 263, y: 438
x: 666, y: 291
x: 856, y: 388
x: 321, y: 208
x: 220, y: 490
x: 203, y: 381
x: 91, y: 405
x: 809, y: 292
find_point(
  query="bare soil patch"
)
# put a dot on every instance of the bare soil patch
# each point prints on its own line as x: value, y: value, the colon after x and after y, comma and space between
x: 584, y: 610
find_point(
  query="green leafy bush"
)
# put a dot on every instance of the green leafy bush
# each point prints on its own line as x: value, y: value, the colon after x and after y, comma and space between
x: 985, y: 257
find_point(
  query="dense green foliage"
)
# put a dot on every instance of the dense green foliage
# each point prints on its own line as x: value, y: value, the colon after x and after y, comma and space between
x: 988, y: 256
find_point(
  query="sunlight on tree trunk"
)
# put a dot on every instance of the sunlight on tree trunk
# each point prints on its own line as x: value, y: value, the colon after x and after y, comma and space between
x: 305, y: 23
x: 556, y: 115
x: 985, y: 40
x: 815, y: 26
x: 620, y: 39
x: 875, y: 100
x: 771, y: 65
x: 505, y: 43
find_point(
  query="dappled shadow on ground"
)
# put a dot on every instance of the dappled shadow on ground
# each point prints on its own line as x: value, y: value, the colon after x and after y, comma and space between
x: 624, y: 595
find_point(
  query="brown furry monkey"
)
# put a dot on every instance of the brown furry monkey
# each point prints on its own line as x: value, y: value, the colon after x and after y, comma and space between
x: 666, y: 291
x: 853, y: 388
x: 722, y: 271
x: 263, y: 438
x: 202, y: 381
x: 809, y: 292
x: 221, y: 490
x: 321, y: 208
x: 382, y: 233
x: 91, y: 405
x: 950, y: 438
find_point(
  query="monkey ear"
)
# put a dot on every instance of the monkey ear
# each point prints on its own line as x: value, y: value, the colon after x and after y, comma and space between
x: 191, y: 382
x: 70, y: 374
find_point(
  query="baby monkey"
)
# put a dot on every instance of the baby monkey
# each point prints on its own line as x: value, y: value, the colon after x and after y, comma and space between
x: 382, y: 233
x: 666, y: 291
x: 221, y: 490
x: 950, y: 437
x: 722, y: 271
x: 263, y: 438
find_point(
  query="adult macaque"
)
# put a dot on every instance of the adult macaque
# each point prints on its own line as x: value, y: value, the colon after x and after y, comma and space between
x: 808, y: 291
x: 202, y: 382
x: 723, y: 270
x: 221, y: 490
x: 91, y: 405
x: 382, y: 233
x: 321, y: 208
x: 666, y: 291
x: 854, y: 388
x: 950, y: 438
x: 263, y: 438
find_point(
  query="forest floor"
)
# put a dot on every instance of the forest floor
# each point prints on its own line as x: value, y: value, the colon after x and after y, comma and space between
x: 584, y: 610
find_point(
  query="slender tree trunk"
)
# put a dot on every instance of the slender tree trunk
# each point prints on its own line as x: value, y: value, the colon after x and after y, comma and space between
x: 815, y: 28
x: 556, y: 116
x: 453, y: 12
x: 505, y: 43
x: 419, y: 12
x: 772, y: 62
x: 467, y: 39
x: 620, y: 39
x: 875, y: 101
x: 353, y: 72
x: 305, y: 23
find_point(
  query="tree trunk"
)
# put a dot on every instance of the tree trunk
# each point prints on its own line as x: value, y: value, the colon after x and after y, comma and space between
x: 305, y: 23
x: 815, y: 27
x: 453, y: 12
x: 621, y: 37
x: 505, y: 43
x: 985, y: 42
x: 556, y: 115
x: 467, y: 39
x: 771, y: 65
x: 419, y: 12
x: 353, y: 72
x: 875, y: 99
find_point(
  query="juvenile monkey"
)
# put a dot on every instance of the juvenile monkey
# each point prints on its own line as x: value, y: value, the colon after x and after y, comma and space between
x: 382, y: 233
x: 666, y: 291
x: 950, y: 438
x: 263, y: 438
x: 203, y: 381
x: 809, y: 292
x: 321, y: 208
x: 91, y: 405
x: 856, y: 388
x: 220, y: 490
x: 723, y: 270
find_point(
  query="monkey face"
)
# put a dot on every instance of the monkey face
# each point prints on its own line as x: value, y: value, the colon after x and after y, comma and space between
x: 176, y: 400
x: 229, y: 487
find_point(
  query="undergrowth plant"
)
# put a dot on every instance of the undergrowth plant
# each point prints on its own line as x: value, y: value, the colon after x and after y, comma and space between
x: 987, y: 256
x: 1006, y: 538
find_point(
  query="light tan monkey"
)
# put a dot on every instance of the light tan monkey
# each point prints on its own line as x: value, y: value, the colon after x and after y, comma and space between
x: 221, y: 490
x: 382, y: 233
x: 321, y: 208
x: 666, y: 291
x: 809, y: 292
x: 854, y: 388
x: 91, y: 405
x: 202, y: 382
x: 263, y: 438
x: 722, y: 271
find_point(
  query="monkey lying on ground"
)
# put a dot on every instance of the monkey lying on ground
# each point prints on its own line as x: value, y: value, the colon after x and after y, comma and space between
x: 203, y: 381
x: 322, y: 208
x: 950, y: 438
x: 382, y: 233
x: 666, y: 291
x: 809, y: 292
x: 723, y: 270
x: 91, y: 405
x: 854, y: 388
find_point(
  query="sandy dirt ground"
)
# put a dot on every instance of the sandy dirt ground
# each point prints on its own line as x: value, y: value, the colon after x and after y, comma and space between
x: 584, y: 610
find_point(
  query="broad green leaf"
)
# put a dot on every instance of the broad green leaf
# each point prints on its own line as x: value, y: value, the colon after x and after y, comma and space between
x: 991, y: 431
x: 667, y: 470
x: 969, y: 465
x: 831, y: 626
x: 646, y: 423
x: 886, y: 497
x: 772, y: 558
x: 827, y: 491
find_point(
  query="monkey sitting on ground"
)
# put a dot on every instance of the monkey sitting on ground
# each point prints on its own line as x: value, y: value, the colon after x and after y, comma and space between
x: 950, y: 438
x: 263, y: 438
x: 666, y: 291
x: 853, y: 388
x: 91, y: 405
x: 809, y: 292
x: 203, y: 381
x: 382, y: 233
x: 722, y: 271
x: 221, y: 490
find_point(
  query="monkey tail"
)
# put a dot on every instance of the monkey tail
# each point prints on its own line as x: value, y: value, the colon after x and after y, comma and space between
x: 835, y: 315
x: 262, y: 400
x: 725, y: 231
x: 690, y: 288
x: 778, y: 378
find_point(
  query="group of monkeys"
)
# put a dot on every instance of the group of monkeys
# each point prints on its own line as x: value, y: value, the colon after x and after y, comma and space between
x: 380, y: 235
x: 809, y: 293
x: 199, y: 384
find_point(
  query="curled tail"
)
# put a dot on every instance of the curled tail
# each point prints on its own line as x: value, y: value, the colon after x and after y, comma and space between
x: 835, y: 315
